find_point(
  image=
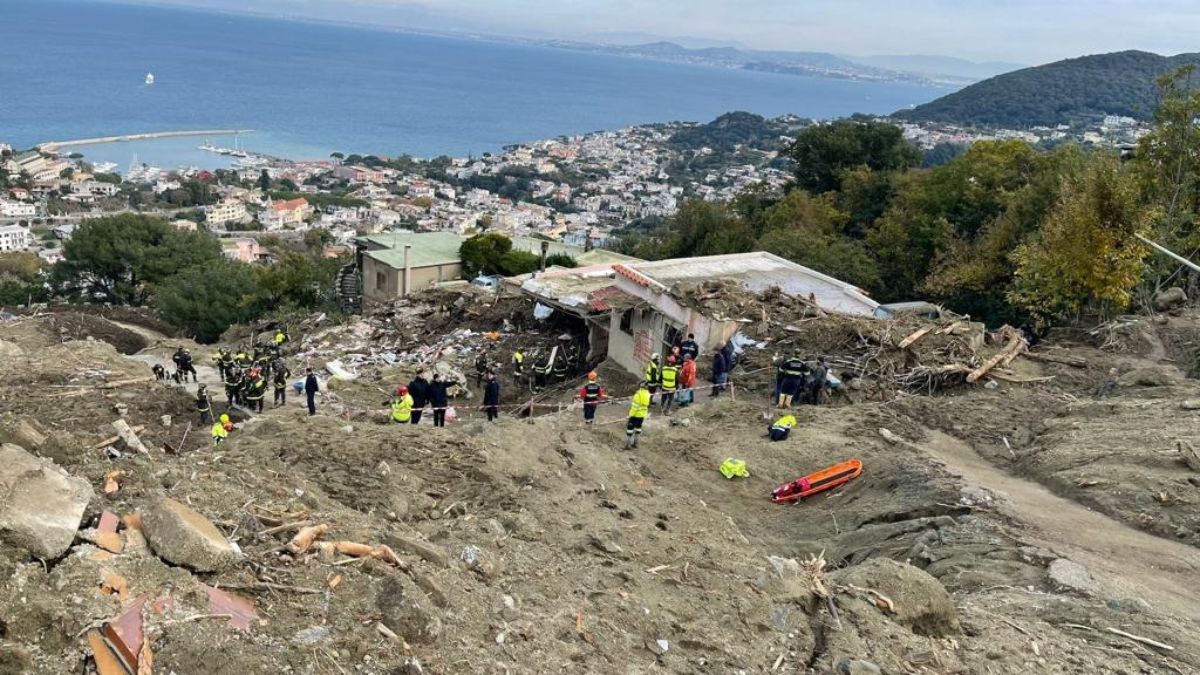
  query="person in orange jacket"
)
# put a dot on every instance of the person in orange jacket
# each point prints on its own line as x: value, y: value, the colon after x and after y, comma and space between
x: 687, y: 381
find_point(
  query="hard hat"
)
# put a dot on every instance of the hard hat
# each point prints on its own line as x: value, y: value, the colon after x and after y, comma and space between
x: 401, y: 390
x: 592, y: 375
x: 225, y: 419
x: 654, y: 356
x: 671, y: 360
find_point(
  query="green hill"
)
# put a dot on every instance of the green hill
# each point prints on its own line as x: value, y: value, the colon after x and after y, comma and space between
x: 1121, y: 83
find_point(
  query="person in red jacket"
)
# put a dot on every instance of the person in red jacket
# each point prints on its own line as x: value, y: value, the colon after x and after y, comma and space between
x: 687, y: 381
x: 591, y: 394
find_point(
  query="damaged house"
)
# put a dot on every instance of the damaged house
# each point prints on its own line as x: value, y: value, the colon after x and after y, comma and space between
x: 634, y: 309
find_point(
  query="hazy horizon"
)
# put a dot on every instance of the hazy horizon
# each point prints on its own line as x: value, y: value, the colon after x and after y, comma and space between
x: 1021, y: 31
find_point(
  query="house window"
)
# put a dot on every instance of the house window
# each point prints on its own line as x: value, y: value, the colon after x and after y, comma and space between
x: 627, y: 322
x: 381, y: 280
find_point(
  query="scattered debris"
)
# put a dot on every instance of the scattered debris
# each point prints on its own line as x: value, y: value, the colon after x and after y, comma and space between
x: 43, y: 505
x: 129, y: 437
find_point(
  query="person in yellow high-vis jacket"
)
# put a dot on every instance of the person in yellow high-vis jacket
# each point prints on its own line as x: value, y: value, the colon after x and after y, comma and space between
x: 219, y: 433
x: 639, y: 408
x: 402, y: 405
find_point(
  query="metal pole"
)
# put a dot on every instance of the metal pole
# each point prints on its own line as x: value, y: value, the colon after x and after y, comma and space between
x: 1170, y: 253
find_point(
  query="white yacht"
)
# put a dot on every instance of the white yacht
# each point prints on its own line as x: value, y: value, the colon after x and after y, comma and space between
x: 149, y: 78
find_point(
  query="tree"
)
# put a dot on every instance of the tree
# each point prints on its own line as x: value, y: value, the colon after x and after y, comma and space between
x: 120, y: 258
x: 296, y: 280
x: 264, y: 181
x: 560, y: 260
x: 822, y: 153
x: 1087, y: 255
x: 206, y: 301
x: 316, y: 239
x: 811, y: 231
x: 482, y: 254
x: 337, y: 156
x: 516, y: 262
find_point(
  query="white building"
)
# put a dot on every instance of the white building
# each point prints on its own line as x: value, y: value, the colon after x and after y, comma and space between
x: 279, y: 215
x: 14, y: 238
x: 17, y: 209
x: 226, y: 211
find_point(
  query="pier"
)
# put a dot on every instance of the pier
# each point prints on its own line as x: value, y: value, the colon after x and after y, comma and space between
x: 53, y: 146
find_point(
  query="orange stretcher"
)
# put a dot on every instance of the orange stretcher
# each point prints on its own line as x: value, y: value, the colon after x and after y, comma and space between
x: 817, y: 482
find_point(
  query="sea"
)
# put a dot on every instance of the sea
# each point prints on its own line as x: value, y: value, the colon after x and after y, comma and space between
x: 74, y: 69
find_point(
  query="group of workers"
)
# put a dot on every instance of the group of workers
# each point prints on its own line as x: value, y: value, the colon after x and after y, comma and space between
x: 409, y: 402
x: 798, y: 382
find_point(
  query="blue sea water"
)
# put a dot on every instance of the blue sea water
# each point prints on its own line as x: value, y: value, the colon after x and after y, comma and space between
x: 74, y: 69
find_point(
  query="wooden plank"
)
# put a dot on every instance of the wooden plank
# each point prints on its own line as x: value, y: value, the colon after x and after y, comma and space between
x: 1009, y: 352
x: 916, y: 335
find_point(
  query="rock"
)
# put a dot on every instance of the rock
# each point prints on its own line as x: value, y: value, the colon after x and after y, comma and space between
x: 1071, y: 575
x: 921, y: 602
x: 405, y: 614
x: 1190, y: 404
x: 1148, y: 377
x: 181, y: 536
x: 890, y: 437
x: 22, y: 433
x: 41, y: 506
x: 1168, y: 299
x: 1188, y: 453
x: 311, y: 636
x: 1130, y: 605
x: 857, y: 667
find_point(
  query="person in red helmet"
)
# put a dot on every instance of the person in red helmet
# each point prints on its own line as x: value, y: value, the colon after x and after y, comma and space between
x: 669, y: 379
x: 591, y: 394
x: 402, y: 405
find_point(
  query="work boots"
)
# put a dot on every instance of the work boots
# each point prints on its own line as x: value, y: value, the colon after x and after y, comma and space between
x: 629, y: 442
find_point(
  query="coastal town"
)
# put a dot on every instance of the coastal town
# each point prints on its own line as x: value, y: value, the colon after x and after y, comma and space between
x: 579, y: 191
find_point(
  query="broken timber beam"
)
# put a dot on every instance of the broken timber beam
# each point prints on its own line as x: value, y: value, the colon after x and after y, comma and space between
x: 1010, y: 351
x: 916, y: 335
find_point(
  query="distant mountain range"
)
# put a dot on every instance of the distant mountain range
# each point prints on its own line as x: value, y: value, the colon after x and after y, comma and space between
x: 1063, y: 92
x: 927, y: 70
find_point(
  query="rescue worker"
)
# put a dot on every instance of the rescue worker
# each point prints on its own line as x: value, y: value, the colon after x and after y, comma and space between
x: 183, y: 364
x: 160, y: 373
x: 402, y: 406
x: 491, y: 397
x: 219, y: 431
x: 481, y: 368
x: 782, y: 427
x: 689, y: 347
x: 720, y: 372
x: 639, y: 408
x: 591, y: 394
x: 653, y: 375
x: 242, y: 358
x: 816, y: 383
x: 561, y: 366
x: 541, y: 372
x: 226, y: 362
x: 256, y: 391
x: 311, y: 387
x: 669, y: 378
x: 233, y: 380
x: 203, y: 404
x: 281, y: 337
x: 518, y: 362
x: 439, y: 398
x: 279, y: 378
x: 419, y: 390
x: 792, y: 372
x: 687, y: 382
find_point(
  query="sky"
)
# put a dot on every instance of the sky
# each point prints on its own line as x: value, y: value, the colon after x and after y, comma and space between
x: 1023, y: 31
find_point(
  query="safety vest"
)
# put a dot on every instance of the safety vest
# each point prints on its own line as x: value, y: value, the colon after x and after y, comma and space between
x: 652, y: 372
x: 281, y: 379
x: 669, y: 376
x: 784, y: 423
x: 402, y: 408
x: 232, y: 380
x: 518, y: 358
x: 219, y: 432
x: 226, y: 359
x: 591, y: 392
x: 640, y: 405
x: 280, y: 338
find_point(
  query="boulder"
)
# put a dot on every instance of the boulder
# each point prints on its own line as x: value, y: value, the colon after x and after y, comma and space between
x: 1168, y: 299
x: 181, y: 536
x: 1070, y: 575
x: 921, y: 602
x: 41, y: 506
x: 1148, y: 377
x: 405, y: 614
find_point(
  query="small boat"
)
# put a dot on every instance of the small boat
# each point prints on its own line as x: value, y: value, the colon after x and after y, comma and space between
x: 149, y: 78
x: 816, y: 482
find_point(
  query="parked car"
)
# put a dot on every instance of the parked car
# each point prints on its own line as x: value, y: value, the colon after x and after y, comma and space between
x: 919, y: 308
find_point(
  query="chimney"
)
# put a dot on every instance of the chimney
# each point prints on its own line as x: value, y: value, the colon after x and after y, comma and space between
x: 407, y: 269
x: 545, y: 251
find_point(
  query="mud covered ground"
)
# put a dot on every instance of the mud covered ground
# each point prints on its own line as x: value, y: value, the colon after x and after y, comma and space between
x: 975, y: 542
